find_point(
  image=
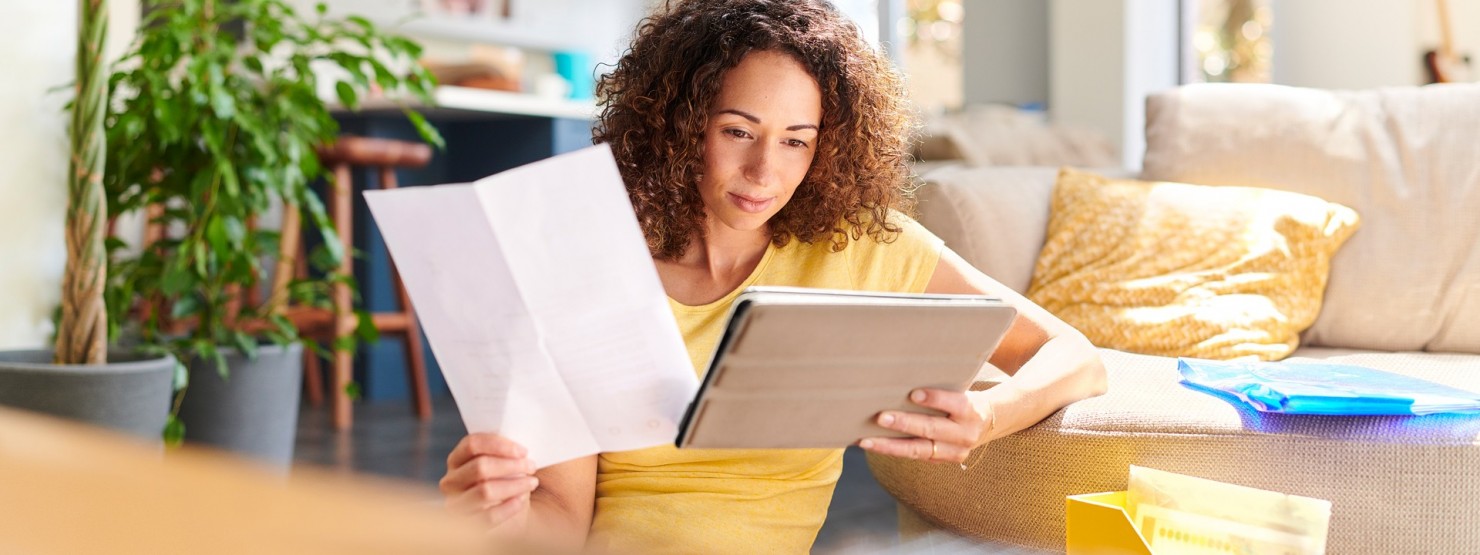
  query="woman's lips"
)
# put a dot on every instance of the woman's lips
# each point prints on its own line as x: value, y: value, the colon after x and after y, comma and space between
x: 750, y: 204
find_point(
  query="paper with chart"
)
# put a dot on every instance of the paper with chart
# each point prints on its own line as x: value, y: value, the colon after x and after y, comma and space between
x: 542, y: 305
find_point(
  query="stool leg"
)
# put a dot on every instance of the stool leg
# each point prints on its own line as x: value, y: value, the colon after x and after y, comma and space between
x: 416, y: 369
x: 344, y: 315
x: 313, y: 377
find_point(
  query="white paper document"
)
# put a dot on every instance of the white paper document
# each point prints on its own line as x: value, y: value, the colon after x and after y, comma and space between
x: 542, y: 305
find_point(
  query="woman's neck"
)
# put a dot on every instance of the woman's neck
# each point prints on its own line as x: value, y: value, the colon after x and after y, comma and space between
x: 724, y: 252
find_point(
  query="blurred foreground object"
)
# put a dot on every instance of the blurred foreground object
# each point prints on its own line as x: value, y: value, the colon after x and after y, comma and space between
x: 73, y: 489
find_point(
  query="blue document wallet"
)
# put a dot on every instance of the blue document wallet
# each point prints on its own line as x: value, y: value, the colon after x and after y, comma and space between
x: 812, y: 368
x: 1315, y: 387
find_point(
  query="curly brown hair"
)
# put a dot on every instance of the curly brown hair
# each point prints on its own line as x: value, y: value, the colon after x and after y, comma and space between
x: 658, y: 97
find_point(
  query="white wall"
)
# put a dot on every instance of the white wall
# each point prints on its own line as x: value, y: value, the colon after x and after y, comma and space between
x: 37, y: 41
x: 1105, y: 56
x: 1005, y: 51
x: 1335, y: 44
x: 1087, y: 64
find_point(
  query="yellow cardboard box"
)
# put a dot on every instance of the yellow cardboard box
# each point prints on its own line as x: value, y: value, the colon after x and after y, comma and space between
x: 1204, y: 517
x: 1098, y: 525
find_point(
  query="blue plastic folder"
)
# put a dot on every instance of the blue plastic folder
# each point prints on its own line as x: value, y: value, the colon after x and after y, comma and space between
x: 1325, y: 388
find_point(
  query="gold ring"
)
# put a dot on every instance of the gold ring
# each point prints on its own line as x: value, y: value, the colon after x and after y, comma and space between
x: 932, y: 450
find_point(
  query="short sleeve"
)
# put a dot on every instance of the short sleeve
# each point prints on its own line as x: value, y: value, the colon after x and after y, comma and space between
x: 903, y: 265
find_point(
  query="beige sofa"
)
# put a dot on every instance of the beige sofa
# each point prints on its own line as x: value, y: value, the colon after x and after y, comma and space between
x: 1403, y: 295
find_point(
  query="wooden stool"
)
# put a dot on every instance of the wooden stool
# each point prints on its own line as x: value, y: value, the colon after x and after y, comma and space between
x: 385, y: 155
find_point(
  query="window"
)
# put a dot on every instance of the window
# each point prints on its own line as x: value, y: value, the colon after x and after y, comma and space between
x: 1228, y: 41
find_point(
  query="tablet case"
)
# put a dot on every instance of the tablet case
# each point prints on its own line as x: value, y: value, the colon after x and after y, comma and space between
x: 812, y: 368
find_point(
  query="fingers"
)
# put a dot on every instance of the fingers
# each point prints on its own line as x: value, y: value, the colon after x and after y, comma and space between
x: 488, y: 475
x: 496, y: 500
x: 947, y: 438
x: 961, y: 424
x: 503, y: 512
x: 953, y: 403
x: 483, y: 468
x: 919, y: 449
x: 474, y: 445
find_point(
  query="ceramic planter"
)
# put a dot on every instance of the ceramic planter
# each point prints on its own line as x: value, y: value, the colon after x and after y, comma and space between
x: 131, y: 393
x: 254, y: 410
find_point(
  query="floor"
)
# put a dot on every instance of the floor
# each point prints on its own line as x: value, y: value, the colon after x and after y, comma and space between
x: 387, y: 440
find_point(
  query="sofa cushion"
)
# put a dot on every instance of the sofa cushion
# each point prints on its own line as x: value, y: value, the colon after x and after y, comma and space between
x: 1186, y: 270
x: 1397, y: 484
x: 1406, y: 159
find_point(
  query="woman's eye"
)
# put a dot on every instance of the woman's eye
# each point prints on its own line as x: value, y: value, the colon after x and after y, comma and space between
x: 737, y: 133
x: 796, y: 143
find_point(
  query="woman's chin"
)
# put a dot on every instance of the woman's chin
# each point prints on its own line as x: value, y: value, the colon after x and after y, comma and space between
x: 743, y: 221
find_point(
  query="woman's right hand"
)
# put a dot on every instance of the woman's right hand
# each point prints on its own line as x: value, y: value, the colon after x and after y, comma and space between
x: 491, y: 476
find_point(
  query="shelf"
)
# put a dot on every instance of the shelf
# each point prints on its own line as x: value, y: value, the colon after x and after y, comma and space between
x: 464, y: 99
x: 471, y: 30
x: 482, y: 100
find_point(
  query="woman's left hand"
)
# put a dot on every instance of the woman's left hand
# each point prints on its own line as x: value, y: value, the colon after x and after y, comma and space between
x: 948, y: 438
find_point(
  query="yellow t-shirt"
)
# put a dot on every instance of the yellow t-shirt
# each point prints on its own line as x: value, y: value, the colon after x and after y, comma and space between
x: 667, y: 500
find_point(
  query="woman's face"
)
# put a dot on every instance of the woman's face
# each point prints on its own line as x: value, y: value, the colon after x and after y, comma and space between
x: 762, y: 134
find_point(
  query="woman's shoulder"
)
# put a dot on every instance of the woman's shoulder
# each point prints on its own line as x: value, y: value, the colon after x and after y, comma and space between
x: 900, y: 258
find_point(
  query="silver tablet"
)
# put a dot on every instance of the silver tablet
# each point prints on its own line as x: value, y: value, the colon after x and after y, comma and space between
x: 812, y: 368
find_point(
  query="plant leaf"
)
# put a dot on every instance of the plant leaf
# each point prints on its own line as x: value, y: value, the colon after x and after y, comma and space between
x: 199, y: 254
x: 236, y: 232
x: 181, y: 378
x: 425, y: 129
x: 347, y: 95
x: 176, y: 280
x: 174, y: 431
x: 222, y: 102
x: 362, y: 22
x: 245, y: 344
x: 365, y: 327
x: 216, y: 234
x: 221, y: 368
x: 184, y: 306
x: 331, y: 244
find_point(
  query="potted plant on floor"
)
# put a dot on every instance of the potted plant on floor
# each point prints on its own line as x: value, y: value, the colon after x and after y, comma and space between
x: 80, y: 378
x: 217, y: 122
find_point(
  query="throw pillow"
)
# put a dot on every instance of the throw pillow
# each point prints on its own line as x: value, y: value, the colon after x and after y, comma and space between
x: 1187, y: 270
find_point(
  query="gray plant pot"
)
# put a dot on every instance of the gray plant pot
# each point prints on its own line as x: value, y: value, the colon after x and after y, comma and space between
x: 131, y: 393
x: 254, y: 411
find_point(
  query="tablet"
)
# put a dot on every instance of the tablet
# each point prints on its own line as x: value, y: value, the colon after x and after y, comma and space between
x: 812, y: 368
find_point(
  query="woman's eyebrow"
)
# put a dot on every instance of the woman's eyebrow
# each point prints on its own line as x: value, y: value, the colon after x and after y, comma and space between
x: 757, y: 121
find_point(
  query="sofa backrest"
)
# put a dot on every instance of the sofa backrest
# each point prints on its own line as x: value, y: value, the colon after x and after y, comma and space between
x: 1406, y: 159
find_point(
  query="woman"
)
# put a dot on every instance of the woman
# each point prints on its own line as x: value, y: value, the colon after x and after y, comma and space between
x: 764, y: 143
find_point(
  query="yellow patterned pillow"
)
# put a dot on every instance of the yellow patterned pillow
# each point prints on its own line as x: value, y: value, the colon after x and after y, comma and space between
x: 1187, y: 270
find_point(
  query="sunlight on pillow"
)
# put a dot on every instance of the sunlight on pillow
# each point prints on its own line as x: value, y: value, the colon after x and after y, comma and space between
x: 1187, y: 270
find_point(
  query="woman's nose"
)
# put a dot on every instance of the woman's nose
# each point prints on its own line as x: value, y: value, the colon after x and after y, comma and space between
x: 761, y: 166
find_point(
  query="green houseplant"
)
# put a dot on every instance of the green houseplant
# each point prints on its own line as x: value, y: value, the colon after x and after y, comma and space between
x: 216, y: 118
x: 127, y: 391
